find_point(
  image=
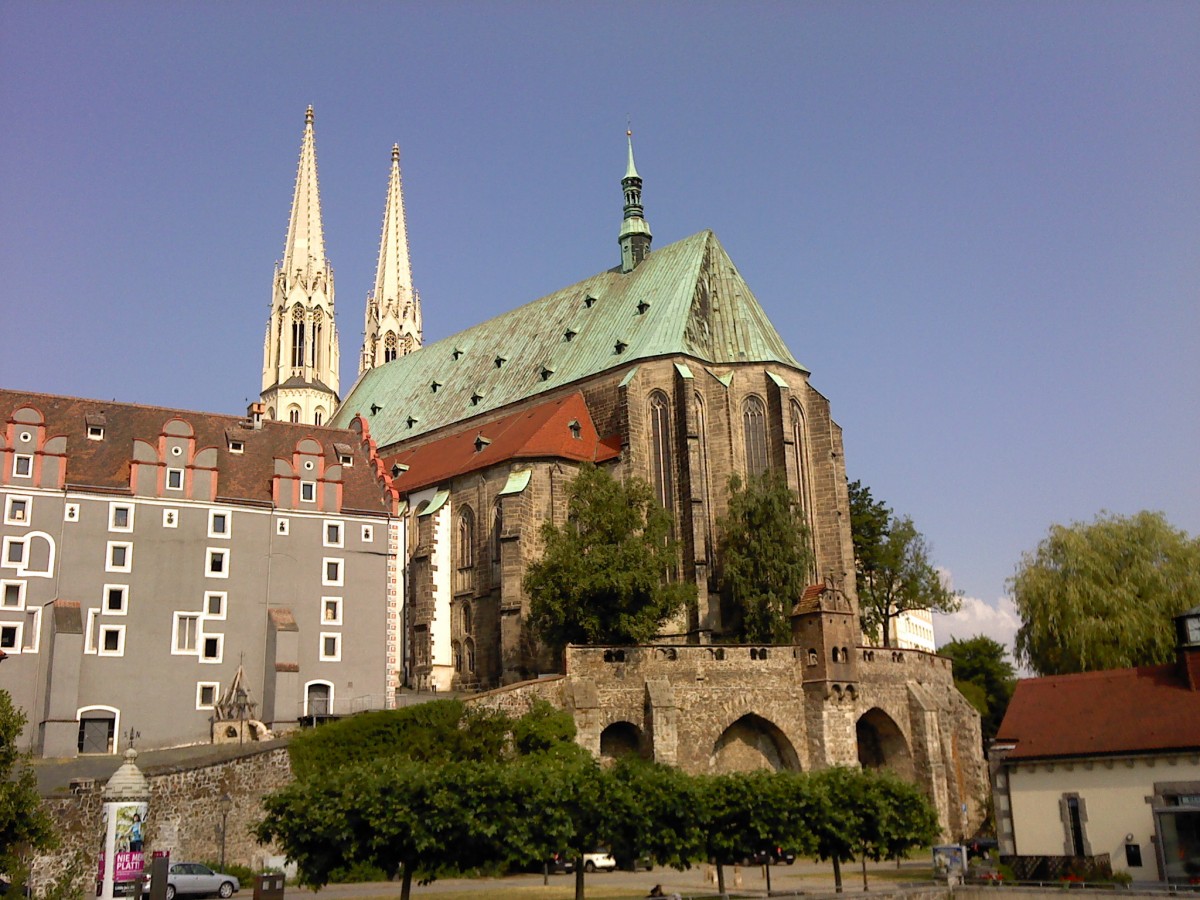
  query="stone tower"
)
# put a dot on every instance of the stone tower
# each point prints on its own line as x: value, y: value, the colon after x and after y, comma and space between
x: 300, y: 353
x: 393, y: 320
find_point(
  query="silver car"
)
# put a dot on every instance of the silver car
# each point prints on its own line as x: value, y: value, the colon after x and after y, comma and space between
x: 187, y: 879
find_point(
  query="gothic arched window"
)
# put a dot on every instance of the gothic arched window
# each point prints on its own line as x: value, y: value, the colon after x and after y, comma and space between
x: 297, y: 336
x: 389, y: 346
x: 318, y: 326
x: 702, y: 436
x: 294, y: 414
x: 470, y: 645
x: 497, y: 530
x: 799, y: 448
x: 754, y: 426
x: 464, y: 551
x: 660, y: 449
x: 466, y: 618
x: 319, y: 416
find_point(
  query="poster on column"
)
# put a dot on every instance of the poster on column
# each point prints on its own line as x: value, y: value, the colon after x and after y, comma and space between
x: 125, y: 822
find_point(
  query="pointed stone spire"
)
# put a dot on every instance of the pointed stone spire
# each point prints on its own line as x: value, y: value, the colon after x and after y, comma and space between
x: 635, y: 233
x: 305, y: 246
x: 300, y: 352
x: 393, y: 315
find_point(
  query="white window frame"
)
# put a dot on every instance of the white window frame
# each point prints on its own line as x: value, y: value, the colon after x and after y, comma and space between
x: 200, y: 645
x: 170, y: 517
x: 212, y: 520
x: 170, y: 474
x: 10, y: 541
x: 237, y: 447
x: 282, y: 526
x: 120, y: 631
x: 309, y: 488
x: 116, y: 747
x: 18, y: 633
x: 213, y: 553
x: 95, y: 432
x: 33, y: 626
x: 71, y: 512
x: 112, y: 517
x: 104, y: 607
x: 223, y: 596
x: 89, y: 636
x: 341, y: 572
x: 368, y: 534
x: 10, y: 502
x: 346, y: 461
x: 341, y: 533
x: 336, y: 637
x: 179, y: 616
x: 5, y: 583
x: 26, y: 458
x: 216, y: 689
x: 323, y: 683
x: 109, y: 565
x: 337, y: 619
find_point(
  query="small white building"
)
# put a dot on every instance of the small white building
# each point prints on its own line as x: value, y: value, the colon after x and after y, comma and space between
x: 1106, y: 763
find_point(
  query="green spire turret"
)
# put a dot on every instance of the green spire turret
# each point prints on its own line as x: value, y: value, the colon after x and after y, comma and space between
x: 635, y: 234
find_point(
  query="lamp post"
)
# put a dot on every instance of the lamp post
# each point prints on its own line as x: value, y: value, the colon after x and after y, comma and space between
x: 224, y: 804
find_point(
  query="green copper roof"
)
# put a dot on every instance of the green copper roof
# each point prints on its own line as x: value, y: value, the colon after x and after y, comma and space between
x: 686, y: 298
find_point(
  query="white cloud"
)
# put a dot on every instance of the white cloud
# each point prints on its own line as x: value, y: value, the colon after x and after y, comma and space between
x: 998, y: 620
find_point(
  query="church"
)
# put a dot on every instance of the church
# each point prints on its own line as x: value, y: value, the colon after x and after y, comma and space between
x: 352, y: 549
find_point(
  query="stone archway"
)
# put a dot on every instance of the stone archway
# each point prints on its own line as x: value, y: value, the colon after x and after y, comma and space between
x: 752, y: 743
x: 621, y: 739
x: 881, y: 744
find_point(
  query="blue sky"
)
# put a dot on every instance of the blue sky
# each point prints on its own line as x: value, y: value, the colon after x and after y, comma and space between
x: 977, y: 224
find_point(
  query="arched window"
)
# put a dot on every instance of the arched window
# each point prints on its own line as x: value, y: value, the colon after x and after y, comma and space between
x: 294, y: 414
x: 497, y: 530
x: 456, y: 653
x: 319, y: 416
x: 702, y: 436
x: 318, y: 698
x: 803, y: 488
x: 297, y: 336
x: 389, y: 346
x: 754, y: 425
x: 470, y: 646
x: 660, y: 449
x: 464, y: 551
x: 466, y: 618
x: 318, y: 326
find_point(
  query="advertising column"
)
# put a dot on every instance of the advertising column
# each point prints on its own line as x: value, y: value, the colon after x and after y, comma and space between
x: 126, y: 802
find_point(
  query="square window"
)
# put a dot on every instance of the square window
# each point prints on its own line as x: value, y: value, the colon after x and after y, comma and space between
x: 10, y: 638
x: 14, y: 552
x: 186, y: 635
x: 331, y: 610
x: 218, y: 564
x: 116, y: 599
x: 308, y: 491
x: 33, y: 629
x: 281, y: 527
x: 71, y: 512
x: 346, y: 460
x: 120, y: 517
x: 333, y: 534
x: 170, y: 518
x: 22, y: 465
x: 331, y: 646
x: 207, y: 693
x: 112, y: 640
x: 211, y: 646
x: 95, y: 432
x: 17, y: 511
x: 332, y: 573
x: 368, y: 533
x: 13, y: 595
x: 218, y: 523
x: 214, y: 604
x: 237, y: 447
x: 175, y: 479
x: 120, y: 557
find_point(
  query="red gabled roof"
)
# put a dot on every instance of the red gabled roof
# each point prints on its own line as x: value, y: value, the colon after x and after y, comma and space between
x: 543, y: 431
x: 1140, y: 710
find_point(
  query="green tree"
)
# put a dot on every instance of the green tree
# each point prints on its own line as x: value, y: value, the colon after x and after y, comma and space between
x: 895, y: 817
x: 984, y: 675
x: 1101, y: 595
x: 602, y: 578
x: 895, y: 574
x: 24, y: 824
x: 766, y: 560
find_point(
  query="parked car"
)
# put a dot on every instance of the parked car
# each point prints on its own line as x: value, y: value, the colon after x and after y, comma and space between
x: 600, y: 861
x: 981, y: 847
x: 188, y: 879
x: 771, y: 856
x: 559, y: 864
x: 630, y: 863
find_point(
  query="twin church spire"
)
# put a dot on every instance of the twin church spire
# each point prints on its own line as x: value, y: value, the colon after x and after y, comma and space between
x: 300, y: 352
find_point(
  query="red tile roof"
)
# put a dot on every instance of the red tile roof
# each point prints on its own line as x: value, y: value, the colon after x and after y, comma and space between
x: 540, y: 432
x: 1117, y: 711
x: 104, y: 465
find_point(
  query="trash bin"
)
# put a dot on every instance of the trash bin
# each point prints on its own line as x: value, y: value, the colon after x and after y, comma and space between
x: 269, y: 887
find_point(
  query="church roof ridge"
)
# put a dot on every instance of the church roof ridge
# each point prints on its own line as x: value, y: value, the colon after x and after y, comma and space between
x: 686, y: 298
